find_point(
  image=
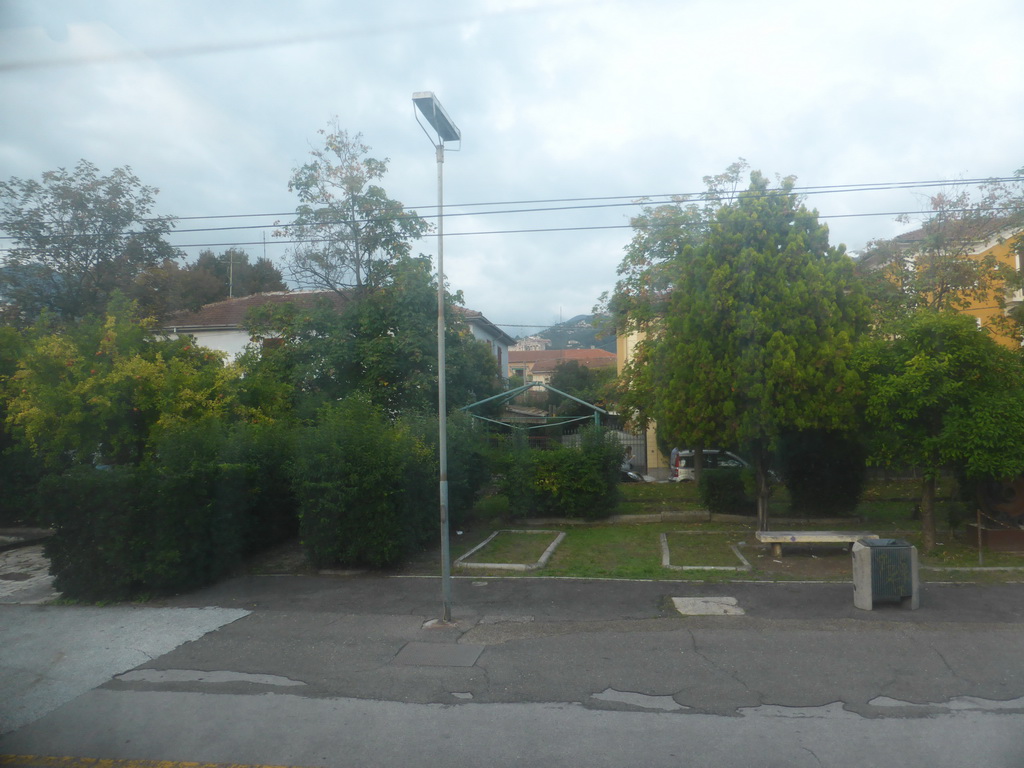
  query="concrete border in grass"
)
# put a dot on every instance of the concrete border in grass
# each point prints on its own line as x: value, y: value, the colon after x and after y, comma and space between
x: 666, y: 558
x: 461, y: 562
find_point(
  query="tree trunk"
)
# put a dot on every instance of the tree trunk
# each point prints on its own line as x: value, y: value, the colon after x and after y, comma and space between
x: 761, y: 476
x: 698, y: 463
x: 928, y: 513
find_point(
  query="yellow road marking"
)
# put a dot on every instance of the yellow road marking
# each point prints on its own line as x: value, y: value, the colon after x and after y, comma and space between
x: 49, y: 761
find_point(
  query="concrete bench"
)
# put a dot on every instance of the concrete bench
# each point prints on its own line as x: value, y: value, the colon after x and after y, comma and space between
x: 778, y: 538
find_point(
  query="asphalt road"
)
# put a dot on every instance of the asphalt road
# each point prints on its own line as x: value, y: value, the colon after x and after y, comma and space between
x: 340, y: 671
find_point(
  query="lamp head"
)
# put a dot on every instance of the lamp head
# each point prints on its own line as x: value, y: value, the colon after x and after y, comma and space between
x: 434, y: 113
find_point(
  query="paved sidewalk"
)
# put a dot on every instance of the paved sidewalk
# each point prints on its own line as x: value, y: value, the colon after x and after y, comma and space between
x: 24, y: 580
x: 553, y: 599
x: 293, y: 670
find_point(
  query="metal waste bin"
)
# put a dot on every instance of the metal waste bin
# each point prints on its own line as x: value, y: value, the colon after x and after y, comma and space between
x: 885, y: 570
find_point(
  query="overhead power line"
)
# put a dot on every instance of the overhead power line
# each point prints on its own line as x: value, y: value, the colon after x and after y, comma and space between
x: 584, y: 203
x: 522, y: 231
x: 636, y: 200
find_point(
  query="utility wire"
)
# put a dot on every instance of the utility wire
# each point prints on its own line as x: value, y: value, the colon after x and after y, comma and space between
x: 645, y: 200
x: 541, y: 230
x: 641, y: 201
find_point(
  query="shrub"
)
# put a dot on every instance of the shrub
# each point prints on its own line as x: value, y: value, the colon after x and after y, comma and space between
x: 469, y: 460
x: 364, y: 487
x: 824, y: 472
x: 20, y: 470
x: 137, y: 531
x: 180, y: 520
x: 469, y: 465
x: 193, y: 540
x: 98, y: 524
x: 723, y: 492
x: 515, y: 473
x: 575, y: 482
x: 256, y: 482
x: 493, y: 509
x: 20, y: 473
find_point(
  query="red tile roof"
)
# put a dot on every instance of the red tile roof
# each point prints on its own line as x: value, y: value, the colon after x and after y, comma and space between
x: 549, y: 359
x: 230, y: 313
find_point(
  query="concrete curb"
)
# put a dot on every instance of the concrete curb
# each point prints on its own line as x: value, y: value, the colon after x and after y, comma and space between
x: 22, y: 537
x: 688, y: 516
x: 666, y: 559
x: 460, y: 562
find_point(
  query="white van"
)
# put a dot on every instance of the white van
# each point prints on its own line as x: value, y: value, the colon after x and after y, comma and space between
x: 683, y: 463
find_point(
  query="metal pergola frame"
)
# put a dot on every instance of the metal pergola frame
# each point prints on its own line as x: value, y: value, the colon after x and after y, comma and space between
x: 549, y: 421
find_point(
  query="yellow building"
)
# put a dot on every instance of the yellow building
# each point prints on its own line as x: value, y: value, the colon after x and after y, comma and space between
x: 953, y: 241
x: 987, y: 312
x: 657, y: 462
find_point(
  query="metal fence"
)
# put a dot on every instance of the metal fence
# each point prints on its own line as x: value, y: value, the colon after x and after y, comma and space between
x: 635, y: 444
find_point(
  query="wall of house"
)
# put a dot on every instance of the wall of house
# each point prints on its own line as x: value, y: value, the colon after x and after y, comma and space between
x: 498, y: 348
x: 989, y: 310
x: 232, y: 342
x: 657, y: 462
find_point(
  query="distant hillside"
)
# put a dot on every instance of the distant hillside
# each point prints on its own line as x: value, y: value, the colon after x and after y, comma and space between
x: 578, y: 333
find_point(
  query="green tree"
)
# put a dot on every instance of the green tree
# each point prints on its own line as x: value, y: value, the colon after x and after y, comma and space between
x: 235, y: 276
x: 758, y: 334
x: 78, y: 236
x: 646, y: 277
x: 381, y: 342
x: 96, y: 392
x: 345, y: 225
x: 589, y: 384
x: 660, y: 233
x: 167, y: 287
x: 943, y: 395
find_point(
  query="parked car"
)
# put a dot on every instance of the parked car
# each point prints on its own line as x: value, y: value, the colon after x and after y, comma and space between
x: 683, y: 462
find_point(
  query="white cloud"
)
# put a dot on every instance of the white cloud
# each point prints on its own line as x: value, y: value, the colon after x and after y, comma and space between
x: 568, y: 99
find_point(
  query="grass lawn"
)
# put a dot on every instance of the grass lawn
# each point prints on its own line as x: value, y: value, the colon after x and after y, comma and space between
x: 514, y: 546
x: 626, y: 550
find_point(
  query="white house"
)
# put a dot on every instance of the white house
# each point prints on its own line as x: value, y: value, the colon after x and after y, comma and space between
x: 484, y: 330
x: 220, y: 325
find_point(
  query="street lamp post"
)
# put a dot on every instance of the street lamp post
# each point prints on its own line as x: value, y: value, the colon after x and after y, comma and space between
x: 443, y: 130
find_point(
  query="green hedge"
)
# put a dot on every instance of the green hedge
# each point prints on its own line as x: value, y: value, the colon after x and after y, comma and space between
x: 469, y: 460
x: 180, y: 520
x: 20, y: 474
x: 94, y: 553
x: 132, y: 532
x: 256, y: 481
x: 366, y: 487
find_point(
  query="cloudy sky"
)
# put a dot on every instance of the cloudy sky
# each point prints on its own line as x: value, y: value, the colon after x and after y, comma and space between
x: 582, y: 102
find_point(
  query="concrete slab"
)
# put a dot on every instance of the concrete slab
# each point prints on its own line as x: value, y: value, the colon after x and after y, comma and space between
x: 707, y: 606
x: 54, y: 654
x: 25, y: 577
x: 220, y: 677
x: 438, y: 655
